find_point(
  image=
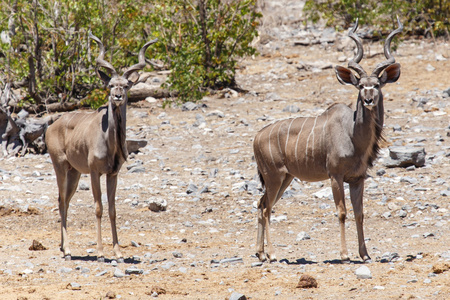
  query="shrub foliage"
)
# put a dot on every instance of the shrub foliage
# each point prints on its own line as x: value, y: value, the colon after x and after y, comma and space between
x: 45, y: 50
x: 426, y: 17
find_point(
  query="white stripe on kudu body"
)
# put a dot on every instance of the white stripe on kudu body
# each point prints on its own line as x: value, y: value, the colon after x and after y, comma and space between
x: 342, y: 151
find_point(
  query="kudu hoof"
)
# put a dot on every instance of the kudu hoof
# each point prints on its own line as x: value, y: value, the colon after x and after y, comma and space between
x: 367, y: 260
x: 68, y: 257
x: 101, y: 259
x: 271, y: 258
x: 345, y: 260
x: 261, y: 256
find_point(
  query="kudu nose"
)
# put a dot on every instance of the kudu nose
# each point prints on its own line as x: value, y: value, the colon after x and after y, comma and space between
x: 368, y: 102
x: 118, y: 96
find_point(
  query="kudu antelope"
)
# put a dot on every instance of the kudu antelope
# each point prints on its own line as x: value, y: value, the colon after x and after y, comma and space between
x: 94, y: 143
x: 340, y: 144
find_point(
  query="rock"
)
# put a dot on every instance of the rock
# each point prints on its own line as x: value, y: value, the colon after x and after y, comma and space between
x: 273, y: 97
x: 363, y: 272
x: 177, y: 254
x: 324, y: 193
x: 237, y: 296
x: 307, y: 282
x: 303, y: 42
x: 37, y: 246
x: 101, y: 273
x: 189, y: 106
x: 192, y: 189
x: 430, y: 68
x: 389, y: 257
x: 168, y: 265
x: 134, y: 270
x: 118, y: 273
x: 157, y: 205
x: 440, y: 267
x: 233, y: 260
x: 83, y: 186
x: 73, y: 286
x: 110, y: 295
x: 134, y: 145
x: 216, y: 113
x: 302, y: 236
x: 401, y: 156
x: 292, y: 109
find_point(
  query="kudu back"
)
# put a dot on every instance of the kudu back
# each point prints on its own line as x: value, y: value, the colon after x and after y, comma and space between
x: 340, y: 144
x: 94, y: 143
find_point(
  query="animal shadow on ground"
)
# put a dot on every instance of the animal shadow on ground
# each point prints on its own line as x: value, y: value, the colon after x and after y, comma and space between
x: 340, y: 262
x: 129, y: 260
x: 300, y: 261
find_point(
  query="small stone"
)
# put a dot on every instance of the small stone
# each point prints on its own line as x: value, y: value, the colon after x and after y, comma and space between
x: 73, y: 286
x: 158, y: 205
x: 192, y: 189
x: 177, y: 254
x: 363, y: 272
x: 256, y: 264
x: 83, y: 186
x: 233, y: 260
x: 37, y: 246
x: 430, y: 68
x: 189, y: 106
x: 134, y: 270
x: 65, y: 270
x: 237, y: 296
x: 118, y: 273
x: 440, y: 267
x: 110, y: 295
x: 291, y: 109
x: 301, y: 236
x: 101, y: 273
x: 307, y: 282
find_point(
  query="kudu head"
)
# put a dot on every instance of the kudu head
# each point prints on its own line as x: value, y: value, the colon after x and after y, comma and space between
x: 119, y: 85
x: 370, y: 86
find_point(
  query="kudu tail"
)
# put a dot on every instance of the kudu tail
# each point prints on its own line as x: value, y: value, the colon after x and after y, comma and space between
x: 261, y: 178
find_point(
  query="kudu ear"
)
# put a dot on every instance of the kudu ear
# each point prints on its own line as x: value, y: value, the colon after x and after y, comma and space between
x: 390, y: 74
x: 103, y: 76
x: 345, y: 76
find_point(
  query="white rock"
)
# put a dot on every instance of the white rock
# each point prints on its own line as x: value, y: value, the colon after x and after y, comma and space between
x: 363, y: 272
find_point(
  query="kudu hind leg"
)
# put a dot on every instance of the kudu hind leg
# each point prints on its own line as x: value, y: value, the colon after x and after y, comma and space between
x: 67, y: 185
x: 111, y: 185
x: 356, y: 196
x: 273, y: 193
x: 337, y: 186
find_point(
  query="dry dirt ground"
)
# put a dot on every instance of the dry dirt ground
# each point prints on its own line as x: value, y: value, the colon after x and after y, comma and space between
x: 181, y: 250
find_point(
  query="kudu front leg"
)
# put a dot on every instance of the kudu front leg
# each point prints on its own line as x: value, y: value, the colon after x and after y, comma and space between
x: 261, y: 227
x: 67, y: 184
x: 97, y: 193
x: 111, y: 185
x: 337, y: 186
x: 356, y: 196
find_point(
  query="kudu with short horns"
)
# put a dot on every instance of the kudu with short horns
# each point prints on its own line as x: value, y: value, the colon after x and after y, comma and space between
x: 94, y: 143
x: 340, y: 144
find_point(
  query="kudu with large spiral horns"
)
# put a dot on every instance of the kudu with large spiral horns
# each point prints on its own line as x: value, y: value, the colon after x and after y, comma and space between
x: 94, y: 143
x: 340, y: 144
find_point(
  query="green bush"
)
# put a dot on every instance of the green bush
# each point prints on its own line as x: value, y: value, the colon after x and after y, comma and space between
x: 201, y: 43
x: 45, y: 48
x: 419, y: 16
